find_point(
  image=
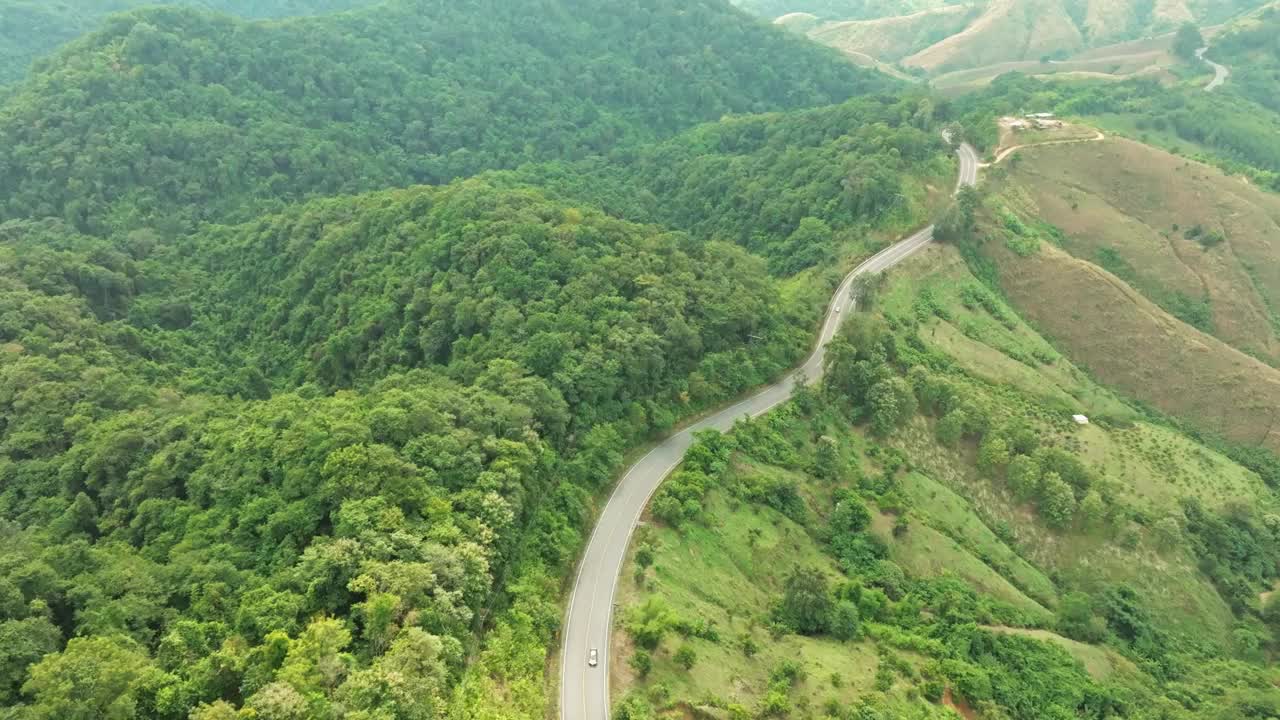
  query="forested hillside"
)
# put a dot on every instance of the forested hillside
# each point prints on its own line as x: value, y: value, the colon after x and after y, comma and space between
x: 169, y: 117
x: 323, y: 338
x: 1251, y: 48
x: 793, y: 188
x: 190, y: 548
x: 30, y: 29
x: 362, y: 434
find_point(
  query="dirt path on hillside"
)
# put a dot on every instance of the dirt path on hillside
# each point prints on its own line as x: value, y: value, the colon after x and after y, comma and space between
x: 1002, y: 154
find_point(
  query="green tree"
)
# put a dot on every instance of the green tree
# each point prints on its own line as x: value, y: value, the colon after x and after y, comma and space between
x: 806, y: 602
x: 951, y: 427
x: 649, y: 621
x: 1187, y: 41
x: 686, y: 657
x: 23, y: 643
x: 846, y: 623
x: 1092, y: 508
x: 993, y: 454
x: 642, y: 662
x: 849, y: 517
x: 1023, y: 476
x: 94, y: 678
x: 892, y: 403
x: 827, y: 464
x: 409, y: 682
x: 1056, y: 500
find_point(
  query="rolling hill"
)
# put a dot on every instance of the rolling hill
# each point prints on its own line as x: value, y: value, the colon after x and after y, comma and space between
x: 955, y: 37
x: 893, y: 38
x: 30, y: 30
x: 1176, y: 259
x: 170, y: 117
x: 397, y: 404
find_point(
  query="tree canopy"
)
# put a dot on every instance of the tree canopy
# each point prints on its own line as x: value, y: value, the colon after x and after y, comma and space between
x: 169, y: 117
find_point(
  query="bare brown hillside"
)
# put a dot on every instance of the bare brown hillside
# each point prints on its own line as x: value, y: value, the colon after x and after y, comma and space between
x: 893, y: 38
x: 1006, y: 30
x: 1177, y: 230
x: 1126, y: 341
x: 1104, y: 291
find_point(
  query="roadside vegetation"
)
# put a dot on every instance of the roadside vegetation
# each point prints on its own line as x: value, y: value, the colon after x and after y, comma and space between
x: 921, y: 536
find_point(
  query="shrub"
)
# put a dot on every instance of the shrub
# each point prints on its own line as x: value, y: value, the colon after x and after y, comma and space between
x: 846, y: 622
x: 1056, y: 500
x: 686, y: 657
x: 642, y: 662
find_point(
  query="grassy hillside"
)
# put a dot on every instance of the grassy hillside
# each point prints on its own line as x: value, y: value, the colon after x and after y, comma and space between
x: 837, y: 9
x: 957, y: 552
x: 166, y: 118
x: 1200, y: 244
x: 1171, y: 256
x: 892, y: 38
x: 1006, y: 30
x: 31, y: 29
x: 990, y: 38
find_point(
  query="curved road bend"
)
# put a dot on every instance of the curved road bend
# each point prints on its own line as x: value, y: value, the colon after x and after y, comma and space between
x: 584, y: 690
x: 1220, y: 72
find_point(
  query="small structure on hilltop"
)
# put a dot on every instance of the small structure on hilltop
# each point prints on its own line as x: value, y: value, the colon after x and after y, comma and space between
x: 1080, y: 419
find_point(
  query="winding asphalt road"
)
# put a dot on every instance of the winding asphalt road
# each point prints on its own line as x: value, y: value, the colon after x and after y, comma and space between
x: 1220, y: 72
x: 584, y: 690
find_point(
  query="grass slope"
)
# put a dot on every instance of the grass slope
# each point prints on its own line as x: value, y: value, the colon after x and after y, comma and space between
x: 893, y: 38
x: 1149, y: 467
x: 1007, y: 30
x: 1126, y: 263
x: 1131, y: 208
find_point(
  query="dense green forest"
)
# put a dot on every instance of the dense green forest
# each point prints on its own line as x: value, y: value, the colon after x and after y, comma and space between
x: 30, y: 29
x: 362, y: 434
x: 754, y: 180
x: 1251, y: 48
x: 193, y: 548
x: 167, y: 117
x: 320, y: 339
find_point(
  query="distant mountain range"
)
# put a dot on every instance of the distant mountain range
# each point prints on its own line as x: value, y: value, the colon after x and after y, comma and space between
x: 936, y: 38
